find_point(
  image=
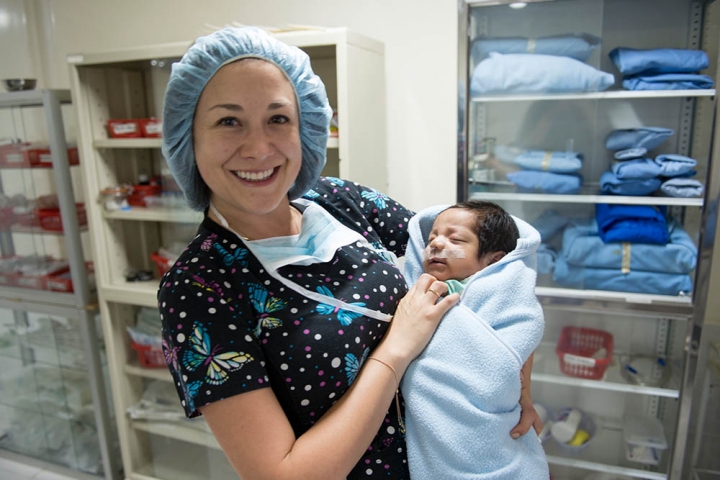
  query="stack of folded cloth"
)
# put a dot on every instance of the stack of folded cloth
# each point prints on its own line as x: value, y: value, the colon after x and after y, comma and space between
x: 536, y: 65
x: 542, y: 171
x: 628, y: 248
x: 549, y: 225
x: 661, y: 68
x: 634, y: 173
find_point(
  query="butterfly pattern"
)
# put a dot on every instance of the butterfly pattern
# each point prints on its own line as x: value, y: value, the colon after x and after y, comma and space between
x: 230, y: 327
x: 218, y: 363
x: 345, y: 317
x: 230, y: 258
x: 265, y: 305
x: 353, y: 365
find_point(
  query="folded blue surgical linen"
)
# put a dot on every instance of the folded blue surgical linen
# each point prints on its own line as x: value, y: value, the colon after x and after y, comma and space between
x: 461, y: 393
x: 640, y: 137
x: 668, y: 81
x: 636, y: 281
x: 630, y: 153
x: 638, y: 169
x: 673, y: 165
x: 631, y: 61
x: 682, y: 187
x: 577, y: 46
x: 526, y: 73
x: 583, y: 247
x: 545, y: 182
x: 610, y: 184
x: 632, y: 223
x: 549, y: 224
x: 556, y: 162
x: 546, y: 256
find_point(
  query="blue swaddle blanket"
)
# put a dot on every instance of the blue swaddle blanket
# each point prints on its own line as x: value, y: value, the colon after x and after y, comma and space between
x: 547, y: 161
x: 583, y: 247
x: 638, y: 169
x: 545, y: 182
x: 578, y: 46
x: 674, y: 165
x: 635, y: 281
x: 631, y: 61
x: 461, y: 394
x: 668, y: 81
x: 632, y: 223
x: 528, y: 73
x: 610, y: 184
x: 682, y: 187
x: 641, y: 137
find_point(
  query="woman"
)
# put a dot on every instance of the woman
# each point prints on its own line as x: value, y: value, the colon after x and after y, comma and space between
x: 276, y: 318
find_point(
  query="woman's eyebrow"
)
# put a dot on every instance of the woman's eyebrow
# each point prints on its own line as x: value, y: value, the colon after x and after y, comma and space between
x: 227, y: 106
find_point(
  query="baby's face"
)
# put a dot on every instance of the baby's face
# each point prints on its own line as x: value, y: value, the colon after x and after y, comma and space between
x: 452, y: 248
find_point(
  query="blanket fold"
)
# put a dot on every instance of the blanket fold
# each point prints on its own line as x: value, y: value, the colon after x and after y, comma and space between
x: 461, y: 394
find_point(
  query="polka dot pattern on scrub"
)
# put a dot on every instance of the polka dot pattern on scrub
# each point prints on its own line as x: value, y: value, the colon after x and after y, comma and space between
x: 229, y: 327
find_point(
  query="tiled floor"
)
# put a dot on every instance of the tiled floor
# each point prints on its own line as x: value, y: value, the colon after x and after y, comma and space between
x: 20, y: 468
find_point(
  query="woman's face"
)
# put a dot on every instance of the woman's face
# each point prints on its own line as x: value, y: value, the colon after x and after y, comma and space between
x: 247, y: 138
x: 452, y: 247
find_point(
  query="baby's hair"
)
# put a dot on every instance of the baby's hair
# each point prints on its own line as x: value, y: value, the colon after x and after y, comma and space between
x: 495, y: 228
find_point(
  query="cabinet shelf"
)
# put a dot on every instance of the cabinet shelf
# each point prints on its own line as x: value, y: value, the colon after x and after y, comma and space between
x: 650, y: 302
x: 177, y: 431
x: 546, y: 369
x: 499, y: 192
x: 132, y: 293
x: 37, y: 230
x: 142, y: 214
x: 607, y: 95
x: 134, y: 368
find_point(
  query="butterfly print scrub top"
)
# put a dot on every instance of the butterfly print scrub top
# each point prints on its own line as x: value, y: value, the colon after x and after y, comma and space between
x: 229, y: 327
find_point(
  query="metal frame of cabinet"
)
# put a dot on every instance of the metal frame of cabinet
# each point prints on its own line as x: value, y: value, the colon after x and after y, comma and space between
x: 81, y: 304
x: 131, y: 84
x: 688, y: 311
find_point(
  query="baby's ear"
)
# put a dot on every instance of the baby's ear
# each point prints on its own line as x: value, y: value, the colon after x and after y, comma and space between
x: 495, y: 256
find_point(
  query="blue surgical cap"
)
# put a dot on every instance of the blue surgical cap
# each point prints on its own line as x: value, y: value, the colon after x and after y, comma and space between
x: 188, y: 79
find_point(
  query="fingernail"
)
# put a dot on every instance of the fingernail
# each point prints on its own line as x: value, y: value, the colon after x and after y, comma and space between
x: 515, y: 435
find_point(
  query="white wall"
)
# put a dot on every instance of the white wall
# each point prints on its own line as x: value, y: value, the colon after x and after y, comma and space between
x: 420, y: 38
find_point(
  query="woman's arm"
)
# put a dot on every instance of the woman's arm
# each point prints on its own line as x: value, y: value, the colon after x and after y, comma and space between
x: 257, y: 438
x: 528, y: 415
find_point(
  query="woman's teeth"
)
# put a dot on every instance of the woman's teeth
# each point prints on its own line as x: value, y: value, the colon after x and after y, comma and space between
x: 254, y: 176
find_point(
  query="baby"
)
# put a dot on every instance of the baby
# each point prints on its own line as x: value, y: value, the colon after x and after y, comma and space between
x: 461, y: 394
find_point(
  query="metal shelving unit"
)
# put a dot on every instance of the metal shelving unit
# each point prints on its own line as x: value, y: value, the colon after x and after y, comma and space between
x: 68, y: 331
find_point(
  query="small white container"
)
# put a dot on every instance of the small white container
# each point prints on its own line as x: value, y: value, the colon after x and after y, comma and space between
x: 644, y: 439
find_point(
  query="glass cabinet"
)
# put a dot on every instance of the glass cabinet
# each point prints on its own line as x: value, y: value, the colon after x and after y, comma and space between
x: 593, y: 120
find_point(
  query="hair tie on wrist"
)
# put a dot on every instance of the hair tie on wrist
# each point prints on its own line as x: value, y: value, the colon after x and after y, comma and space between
x: 401, y: 424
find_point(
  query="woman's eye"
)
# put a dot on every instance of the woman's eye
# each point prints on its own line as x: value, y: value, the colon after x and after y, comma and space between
x: 228, y: 121
x: 279, y: 119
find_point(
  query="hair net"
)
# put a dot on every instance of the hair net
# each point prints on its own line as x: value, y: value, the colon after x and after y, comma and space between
x: 188, y: 79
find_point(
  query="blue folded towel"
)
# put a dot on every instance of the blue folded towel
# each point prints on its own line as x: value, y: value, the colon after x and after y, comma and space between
x: 630, y: 153
x: 610, y: 184
x: 638, y: 169
x: 546, y: 256
x: 549, y: 224
x: 632, y: 223
x: 631, y: 61
x: 641, y: 137
x: 652, y: 283
x: 669, y: 81
x: 545, y: 182
x: 682, y: 187
x: 583, y: 247
x: 526, y: 73
x: 461, y: 394
x: 578, y: 47
x: 673, y: 165
x: 556, y: 162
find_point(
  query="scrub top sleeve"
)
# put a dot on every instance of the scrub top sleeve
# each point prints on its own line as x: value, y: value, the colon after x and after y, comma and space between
x: 208, y: 342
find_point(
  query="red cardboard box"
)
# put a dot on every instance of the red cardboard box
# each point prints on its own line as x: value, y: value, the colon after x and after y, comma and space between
x: 150, y: 127
x: 24, y: 155
x: 124, y: 128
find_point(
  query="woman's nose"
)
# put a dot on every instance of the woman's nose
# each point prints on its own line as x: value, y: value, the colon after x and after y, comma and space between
x: 256, y: 144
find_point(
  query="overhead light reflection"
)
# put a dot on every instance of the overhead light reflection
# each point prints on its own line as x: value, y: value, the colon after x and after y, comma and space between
x: 518, y: 5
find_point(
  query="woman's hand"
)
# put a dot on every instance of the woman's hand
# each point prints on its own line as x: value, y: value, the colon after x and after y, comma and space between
x: 528, y: 414
x: 415, y: 320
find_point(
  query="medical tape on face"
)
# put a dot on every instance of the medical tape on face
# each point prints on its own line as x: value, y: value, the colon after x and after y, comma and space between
x: 444, y: 253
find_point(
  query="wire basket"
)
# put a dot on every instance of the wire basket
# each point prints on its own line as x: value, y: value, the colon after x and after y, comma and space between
x: 577, y: 348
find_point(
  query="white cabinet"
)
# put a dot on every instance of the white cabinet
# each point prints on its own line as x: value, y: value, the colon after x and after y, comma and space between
x: 654, y: 327
x: 129, y: 85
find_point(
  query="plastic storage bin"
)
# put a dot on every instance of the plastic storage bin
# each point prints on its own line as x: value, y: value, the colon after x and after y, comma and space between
x: 150, y: 356
x: 586, y: 423
x: 584, y: 352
